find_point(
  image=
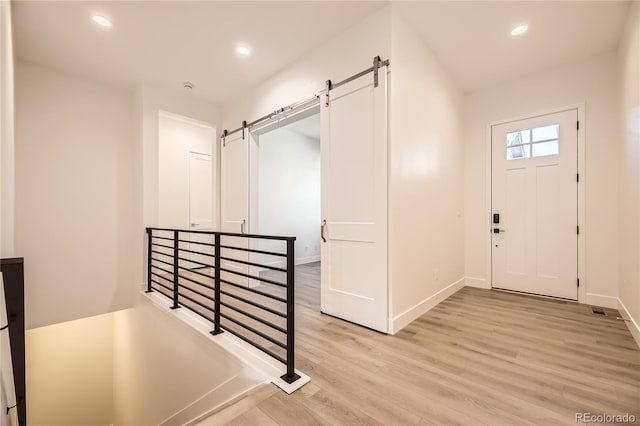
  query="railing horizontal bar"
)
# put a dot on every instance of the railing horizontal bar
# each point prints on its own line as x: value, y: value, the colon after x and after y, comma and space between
x: 162, y: 261
x: 195, y: 301
x: 164, y: 254
x: 161, y: 285
x: 270, y: 253
x: 189, y: 279
x: 196, y: 252
x: 197, y: 242
x: 161, y: 276
x: 196, y: 272
x: 257, y: 305
x: 270, y: 296
x: 162, y: 269
x: 254, y: 331
x: 253, y: 317
x: 226, y: 234
x: 162, y: 238
x: 196, y: 262
x: 162, y: 245
x: 242, y: 274
x: 273, y: 268
x: 265, y: 350
x: 206, y: 296
x: 198, y: 313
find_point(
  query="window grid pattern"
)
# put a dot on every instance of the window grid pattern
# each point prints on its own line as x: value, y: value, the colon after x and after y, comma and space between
x: 534, y: 142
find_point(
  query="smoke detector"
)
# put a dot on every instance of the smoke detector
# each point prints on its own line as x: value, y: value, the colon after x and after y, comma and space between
x: 187, y: 85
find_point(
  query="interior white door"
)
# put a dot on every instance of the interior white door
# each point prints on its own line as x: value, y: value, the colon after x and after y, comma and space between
x: 200, y: 206
x: 354, y: 203
x: 234, y: 203
x: 200, y: 191
x: 534, y: 201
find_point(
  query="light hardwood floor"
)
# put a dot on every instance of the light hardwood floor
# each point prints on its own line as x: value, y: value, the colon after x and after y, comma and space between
x: 480, y: 357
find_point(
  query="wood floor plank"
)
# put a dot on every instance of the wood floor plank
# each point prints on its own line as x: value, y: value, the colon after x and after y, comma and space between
x: 481, y: 357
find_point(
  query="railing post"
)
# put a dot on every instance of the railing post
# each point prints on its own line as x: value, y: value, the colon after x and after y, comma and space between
x: 13, y: 277
x: 216, y: 285
x: 175, y: 270
x: 149, y: 235
x: 291, y: 375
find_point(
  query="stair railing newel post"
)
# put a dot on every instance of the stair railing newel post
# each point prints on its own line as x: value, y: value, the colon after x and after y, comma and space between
x: 149, y: 248
x: 290, y: 375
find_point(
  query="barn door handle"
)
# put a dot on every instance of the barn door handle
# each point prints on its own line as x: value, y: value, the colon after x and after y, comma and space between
x: 324, y: 224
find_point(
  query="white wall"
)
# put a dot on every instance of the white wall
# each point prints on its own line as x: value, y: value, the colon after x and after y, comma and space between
x: 76, y: 216
x: 7, y: 169
x: 70, y: 373
x: 425, y: 178
x: 137, y: 366
x: 161, y: 365
x: 289, y: 191
x: 177, y: 138
x: 629, y: 157
x: 593, y: 82
x: 339, y: 58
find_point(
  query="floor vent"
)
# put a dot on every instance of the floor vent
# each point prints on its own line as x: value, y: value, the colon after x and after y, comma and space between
x: 598, y: 311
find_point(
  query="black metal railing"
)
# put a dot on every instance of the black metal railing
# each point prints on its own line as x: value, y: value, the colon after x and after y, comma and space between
x: 13, y: 283
x: 241, y: 283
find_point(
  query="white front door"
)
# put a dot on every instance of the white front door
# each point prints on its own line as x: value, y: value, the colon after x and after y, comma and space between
x: 354, y: 202
x: 234, y: 204
x: 534, y: 199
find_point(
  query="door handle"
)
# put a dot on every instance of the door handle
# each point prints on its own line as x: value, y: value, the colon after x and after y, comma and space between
x: 324, y: 224
x: 498, y: 231
x: 193, y: 225
x: 242, y: 225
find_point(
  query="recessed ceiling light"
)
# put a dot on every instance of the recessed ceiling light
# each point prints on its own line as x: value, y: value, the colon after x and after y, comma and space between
x: 519, y: 30
x: 243, y: 50
x: 101, y: 20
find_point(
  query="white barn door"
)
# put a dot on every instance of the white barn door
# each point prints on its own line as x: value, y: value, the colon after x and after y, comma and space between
x: 234, y: 203
x: 354, y: 202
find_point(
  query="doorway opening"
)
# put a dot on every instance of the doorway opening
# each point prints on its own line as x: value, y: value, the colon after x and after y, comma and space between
x: 286, y: 190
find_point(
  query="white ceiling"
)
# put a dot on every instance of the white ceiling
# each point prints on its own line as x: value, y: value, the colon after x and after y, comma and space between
x: 167, y: 42
x: 472, y: 38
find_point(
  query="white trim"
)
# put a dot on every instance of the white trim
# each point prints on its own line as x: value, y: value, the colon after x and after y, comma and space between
x: 632, y: 324
x: 476, y: 282
x: 399, y: 322
x: 601, y: 300
x: 582, y: 269
x: 308, y: 259
x: 270, y: 368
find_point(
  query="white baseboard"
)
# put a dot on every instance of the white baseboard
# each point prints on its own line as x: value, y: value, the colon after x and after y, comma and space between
x: 476, y: 282
x: 308, y: 259
x: 399, y: 322
x: 632, y: 324
x: 601, y: 300
x: 299, y: 261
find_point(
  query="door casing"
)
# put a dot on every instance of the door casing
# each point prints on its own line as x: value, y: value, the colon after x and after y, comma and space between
x: 582, y: 270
